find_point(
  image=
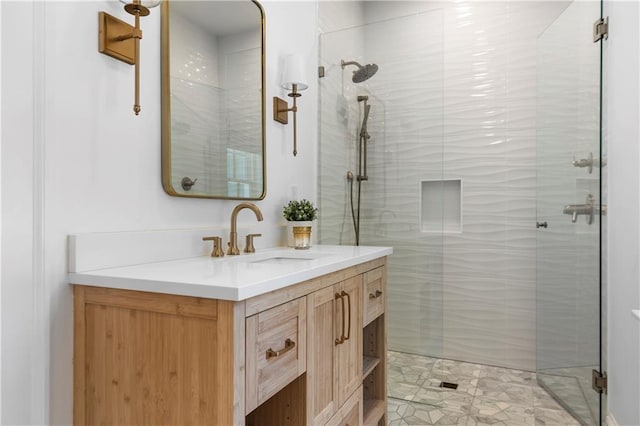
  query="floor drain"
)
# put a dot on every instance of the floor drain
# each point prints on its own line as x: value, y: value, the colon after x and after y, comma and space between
x: 448, y: 385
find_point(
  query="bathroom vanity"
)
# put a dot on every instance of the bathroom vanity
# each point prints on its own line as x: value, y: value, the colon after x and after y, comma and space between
x: 278, y: 337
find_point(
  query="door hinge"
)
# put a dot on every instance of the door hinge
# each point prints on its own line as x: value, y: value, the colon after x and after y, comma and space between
x: 599, y: 381
x: 601, y: 29
x: 320, y: 71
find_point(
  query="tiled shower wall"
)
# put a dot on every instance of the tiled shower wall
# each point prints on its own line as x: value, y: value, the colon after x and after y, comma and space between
x: 454, y: 99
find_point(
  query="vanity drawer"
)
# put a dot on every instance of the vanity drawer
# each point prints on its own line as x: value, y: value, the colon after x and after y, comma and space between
x: 374, y: 294
x: 275, y: 350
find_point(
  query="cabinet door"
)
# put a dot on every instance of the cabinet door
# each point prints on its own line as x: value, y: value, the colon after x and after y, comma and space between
x: 350, y: 414
x: 152, y: 359
x: 349, y: 352
x: 323, y: 323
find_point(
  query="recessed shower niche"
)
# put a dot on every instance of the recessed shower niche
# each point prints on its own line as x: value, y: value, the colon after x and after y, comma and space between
x: 441, y: 205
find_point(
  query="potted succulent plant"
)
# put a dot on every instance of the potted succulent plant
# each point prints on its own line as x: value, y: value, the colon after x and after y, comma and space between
x: 300, y: 215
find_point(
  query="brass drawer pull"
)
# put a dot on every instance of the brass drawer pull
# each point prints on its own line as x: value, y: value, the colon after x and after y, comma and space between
x: 348, y: 336
x: 288, y: 345
x: 340, y: 339
x: 375, y: 296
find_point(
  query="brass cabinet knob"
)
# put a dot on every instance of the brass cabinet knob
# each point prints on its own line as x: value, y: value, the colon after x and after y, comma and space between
x: 375, y: 295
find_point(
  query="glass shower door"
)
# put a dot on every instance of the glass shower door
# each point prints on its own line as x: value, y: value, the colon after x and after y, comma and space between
x: 568, y: 211
x: 404, y: 156
x: 404, y: 151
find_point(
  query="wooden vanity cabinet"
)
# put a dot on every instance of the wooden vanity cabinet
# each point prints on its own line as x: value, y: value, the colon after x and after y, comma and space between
x: 300, y: 355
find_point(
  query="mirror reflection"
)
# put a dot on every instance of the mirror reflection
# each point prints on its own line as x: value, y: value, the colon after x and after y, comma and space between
x: 212, y: 96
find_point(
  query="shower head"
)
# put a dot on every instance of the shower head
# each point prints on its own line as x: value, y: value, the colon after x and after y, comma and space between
x: 363, y: 73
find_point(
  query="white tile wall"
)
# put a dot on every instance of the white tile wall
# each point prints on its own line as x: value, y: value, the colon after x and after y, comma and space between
x: 456, y: 97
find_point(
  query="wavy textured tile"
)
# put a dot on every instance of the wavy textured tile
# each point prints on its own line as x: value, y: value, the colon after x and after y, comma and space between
x: 472, y: 92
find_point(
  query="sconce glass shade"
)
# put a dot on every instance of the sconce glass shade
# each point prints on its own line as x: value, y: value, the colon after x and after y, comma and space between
x: 147, y: 3
x: 293, y: 73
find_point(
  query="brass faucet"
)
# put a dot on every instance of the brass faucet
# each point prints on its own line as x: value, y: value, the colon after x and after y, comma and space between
x: 233, y: 235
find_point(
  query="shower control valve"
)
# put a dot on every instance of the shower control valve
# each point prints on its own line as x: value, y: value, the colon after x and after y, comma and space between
x: 584, y: 162
x: 589, y: 162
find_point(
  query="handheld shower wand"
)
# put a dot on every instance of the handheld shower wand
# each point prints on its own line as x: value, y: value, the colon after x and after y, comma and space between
x: 363, y: 137
x: 362, y: 143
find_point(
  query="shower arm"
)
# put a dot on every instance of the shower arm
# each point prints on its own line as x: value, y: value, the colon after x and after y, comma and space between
x: 345, y: 63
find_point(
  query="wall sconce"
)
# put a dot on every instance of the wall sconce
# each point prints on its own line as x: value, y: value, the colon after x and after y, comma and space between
x: 292, y: 79
x: 122, y: 41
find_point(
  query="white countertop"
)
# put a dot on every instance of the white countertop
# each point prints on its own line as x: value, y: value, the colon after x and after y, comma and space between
x: 231, y: 277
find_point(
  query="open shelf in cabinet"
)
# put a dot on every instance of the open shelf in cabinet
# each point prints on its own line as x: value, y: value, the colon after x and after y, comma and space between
x: 374, y: 372
x: 368, y: 364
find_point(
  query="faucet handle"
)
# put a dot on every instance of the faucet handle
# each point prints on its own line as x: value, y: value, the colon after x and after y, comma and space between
x: 217, y: 246
x: 249, y: 248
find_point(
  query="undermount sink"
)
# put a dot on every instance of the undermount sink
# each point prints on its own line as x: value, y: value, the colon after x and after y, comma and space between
x: 281, y: 257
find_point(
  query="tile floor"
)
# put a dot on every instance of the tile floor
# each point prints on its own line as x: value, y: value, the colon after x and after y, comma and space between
x: 485, y: 395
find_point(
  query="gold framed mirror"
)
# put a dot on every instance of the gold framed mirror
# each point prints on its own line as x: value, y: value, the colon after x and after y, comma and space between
x: 213, y: 100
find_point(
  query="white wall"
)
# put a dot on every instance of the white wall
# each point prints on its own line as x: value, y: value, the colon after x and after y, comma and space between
x: 622, y: 110
x: 101, y: 172
x: 22, y: 344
